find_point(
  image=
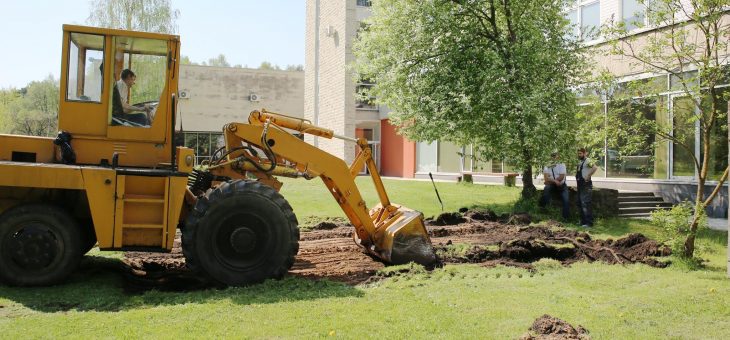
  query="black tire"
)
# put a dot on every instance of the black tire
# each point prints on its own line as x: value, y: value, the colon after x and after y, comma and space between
x: 40, y: 245
x: 243, y: 232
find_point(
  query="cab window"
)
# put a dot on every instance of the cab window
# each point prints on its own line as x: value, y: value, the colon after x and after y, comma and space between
x: 144, y: 64
x: 85, y: 68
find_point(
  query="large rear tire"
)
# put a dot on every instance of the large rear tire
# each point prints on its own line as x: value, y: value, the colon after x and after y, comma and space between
x: 243, y: 232
x: 40, y: 245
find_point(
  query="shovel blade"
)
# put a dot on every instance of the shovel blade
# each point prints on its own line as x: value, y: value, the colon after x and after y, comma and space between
x: 403, y: 238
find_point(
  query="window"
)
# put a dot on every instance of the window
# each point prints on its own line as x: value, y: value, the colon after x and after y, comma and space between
x: 449, y: 158
x: 85, y: 66
x: 364, y: 3
x: 633, y: 14
x: 204, y: 144
x: 718, y: 136
x: 363, y: 99
x: 684, y: 131
x: 639, y: 161
x: 585, y: 18
x: 426, y: 156
x: 147, y: 59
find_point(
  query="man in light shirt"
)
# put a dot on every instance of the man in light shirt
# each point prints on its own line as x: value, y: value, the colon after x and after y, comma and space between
x: 554, y: 178
x: 120, y: 101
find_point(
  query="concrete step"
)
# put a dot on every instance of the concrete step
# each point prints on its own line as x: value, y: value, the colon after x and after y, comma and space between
x: 648, y: 204
x: 636, y: 215
x: 640, y: 199
x: 639, y: 210
x: 634, y: 193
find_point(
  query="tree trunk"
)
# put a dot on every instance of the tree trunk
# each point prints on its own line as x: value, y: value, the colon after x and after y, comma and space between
x: 528, y: 187
x: 689, y: 242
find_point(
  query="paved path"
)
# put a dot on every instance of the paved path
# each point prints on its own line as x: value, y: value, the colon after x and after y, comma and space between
x: 717, y: 223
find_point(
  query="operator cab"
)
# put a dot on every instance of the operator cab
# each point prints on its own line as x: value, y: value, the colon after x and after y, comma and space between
x: 97, y: 105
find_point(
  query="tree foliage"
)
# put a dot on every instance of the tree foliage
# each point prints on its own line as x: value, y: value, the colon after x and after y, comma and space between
x: 136, y: 15
x: 32, y: 110
x: 690, y: 46
x: 495, y: 74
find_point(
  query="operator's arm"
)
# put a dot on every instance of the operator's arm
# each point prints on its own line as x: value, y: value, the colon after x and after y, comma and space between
x: 546, y: 178
x: 560, y: 178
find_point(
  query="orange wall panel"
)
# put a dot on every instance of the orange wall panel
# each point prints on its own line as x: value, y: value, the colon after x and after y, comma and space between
x: 397, y: 155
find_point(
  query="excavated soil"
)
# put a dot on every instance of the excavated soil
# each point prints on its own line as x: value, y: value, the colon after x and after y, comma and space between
x: 329, y: 252
x: 547, y: 327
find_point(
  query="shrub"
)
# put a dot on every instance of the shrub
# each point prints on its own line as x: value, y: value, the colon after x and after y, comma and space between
x: 674, y: 225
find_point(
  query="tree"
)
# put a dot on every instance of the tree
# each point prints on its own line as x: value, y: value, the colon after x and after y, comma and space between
x: 494, y: 74
x: 220, y: 61
x: 298, y: 67
x: 136, y: 15
x: 691, y: 48
x: 33, y: 110
x: 7, y: 98
x: 265, y: 65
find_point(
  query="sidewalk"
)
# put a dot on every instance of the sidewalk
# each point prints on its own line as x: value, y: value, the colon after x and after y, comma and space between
x: 717, y: 223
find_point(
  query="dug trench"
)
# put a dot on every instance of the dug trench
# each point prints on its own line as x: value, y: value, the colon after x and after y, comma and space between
x: 328, y: 251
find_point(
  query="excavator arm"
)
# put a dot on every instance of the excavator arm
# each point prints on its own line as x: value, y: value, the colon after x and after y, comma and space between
x: 263, y: 148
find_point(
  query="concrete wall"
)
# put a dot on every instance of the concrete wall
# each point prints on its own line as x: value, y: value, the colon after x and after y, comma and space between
x: 220, y: 95
x: 329, y: 90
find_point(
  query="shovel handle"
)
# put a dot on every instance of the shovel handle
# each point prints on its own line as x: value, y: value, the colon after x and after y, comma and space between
x: 437, y: 191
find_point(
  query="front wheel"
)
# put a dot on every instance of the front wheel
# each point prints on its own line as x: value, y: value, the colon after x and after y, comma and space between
x: 242, y: 232
x: 40, y: 245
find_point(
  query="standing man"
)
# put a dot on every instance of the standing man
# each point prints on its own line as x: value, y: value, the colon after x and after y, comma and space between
x: 585, y: 170
x: 554, y: 179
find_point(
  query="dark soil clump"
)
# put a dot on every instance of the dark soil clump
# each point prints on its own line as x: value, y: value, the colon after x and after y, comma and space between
x: 326, y: 225
x: 448, y: 218
x: 520, y: 219
x: 548, y: 327
x: 481, y: 215
x: 521, y: 246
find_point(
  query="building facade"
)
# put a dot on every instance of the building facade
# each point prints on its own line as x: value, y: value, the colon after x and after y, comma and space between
x: 330, y: 101
x: 210, y: 97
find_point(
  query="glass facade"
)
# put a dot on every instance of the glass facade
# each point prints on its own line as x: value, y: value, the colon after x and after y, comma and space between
x: 449, y: 157
x: 651, y: 157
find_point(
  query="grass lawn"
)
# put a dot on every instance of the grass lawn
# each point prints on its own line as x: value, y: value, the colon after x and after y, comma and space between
x: 611, y: 301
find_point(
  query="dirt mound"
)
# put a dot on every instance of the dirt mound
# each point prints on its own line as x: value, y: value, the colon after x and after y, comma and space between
x: 548, y: 327
x: 448, y: 218
x: 325, y: 226
x: 520, y: 218
x: 495, y: 243
x: 481, y: 215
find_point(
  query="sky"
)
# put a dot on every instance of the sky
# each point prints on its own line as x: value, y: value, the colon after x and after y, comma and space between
x: 247, y: 32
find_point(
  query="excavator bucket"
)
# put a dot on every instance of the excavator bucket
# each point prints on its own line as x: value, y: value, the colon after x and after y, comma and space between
x: 401, y: 236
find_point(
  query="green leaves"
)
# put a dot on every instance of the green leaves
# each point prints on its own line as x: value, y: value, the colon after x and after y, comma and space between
x: 32, y: 110
x: 494, y: 74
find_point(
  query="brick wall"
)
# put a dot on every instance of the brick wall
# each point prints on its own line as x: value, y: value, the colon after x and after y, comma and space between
x: 336, y: 93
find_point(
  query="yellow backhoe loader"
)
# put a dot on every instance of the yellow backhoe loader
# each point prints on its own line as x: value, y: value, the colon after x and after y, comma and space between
x: 114, y: 178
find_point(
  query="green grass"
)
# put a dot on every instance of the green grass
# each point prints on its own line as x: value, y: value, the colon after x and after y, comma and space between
x: 457, y: 301
x: 312, y: 198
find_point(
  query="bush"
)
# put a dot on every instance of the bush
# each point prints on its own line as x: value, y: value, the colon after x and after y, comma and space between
x: 674, y: 225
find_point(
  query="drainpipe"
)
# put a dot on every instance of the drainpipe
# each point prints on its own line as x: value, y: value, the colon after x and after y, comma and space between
x: 316, y: 69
